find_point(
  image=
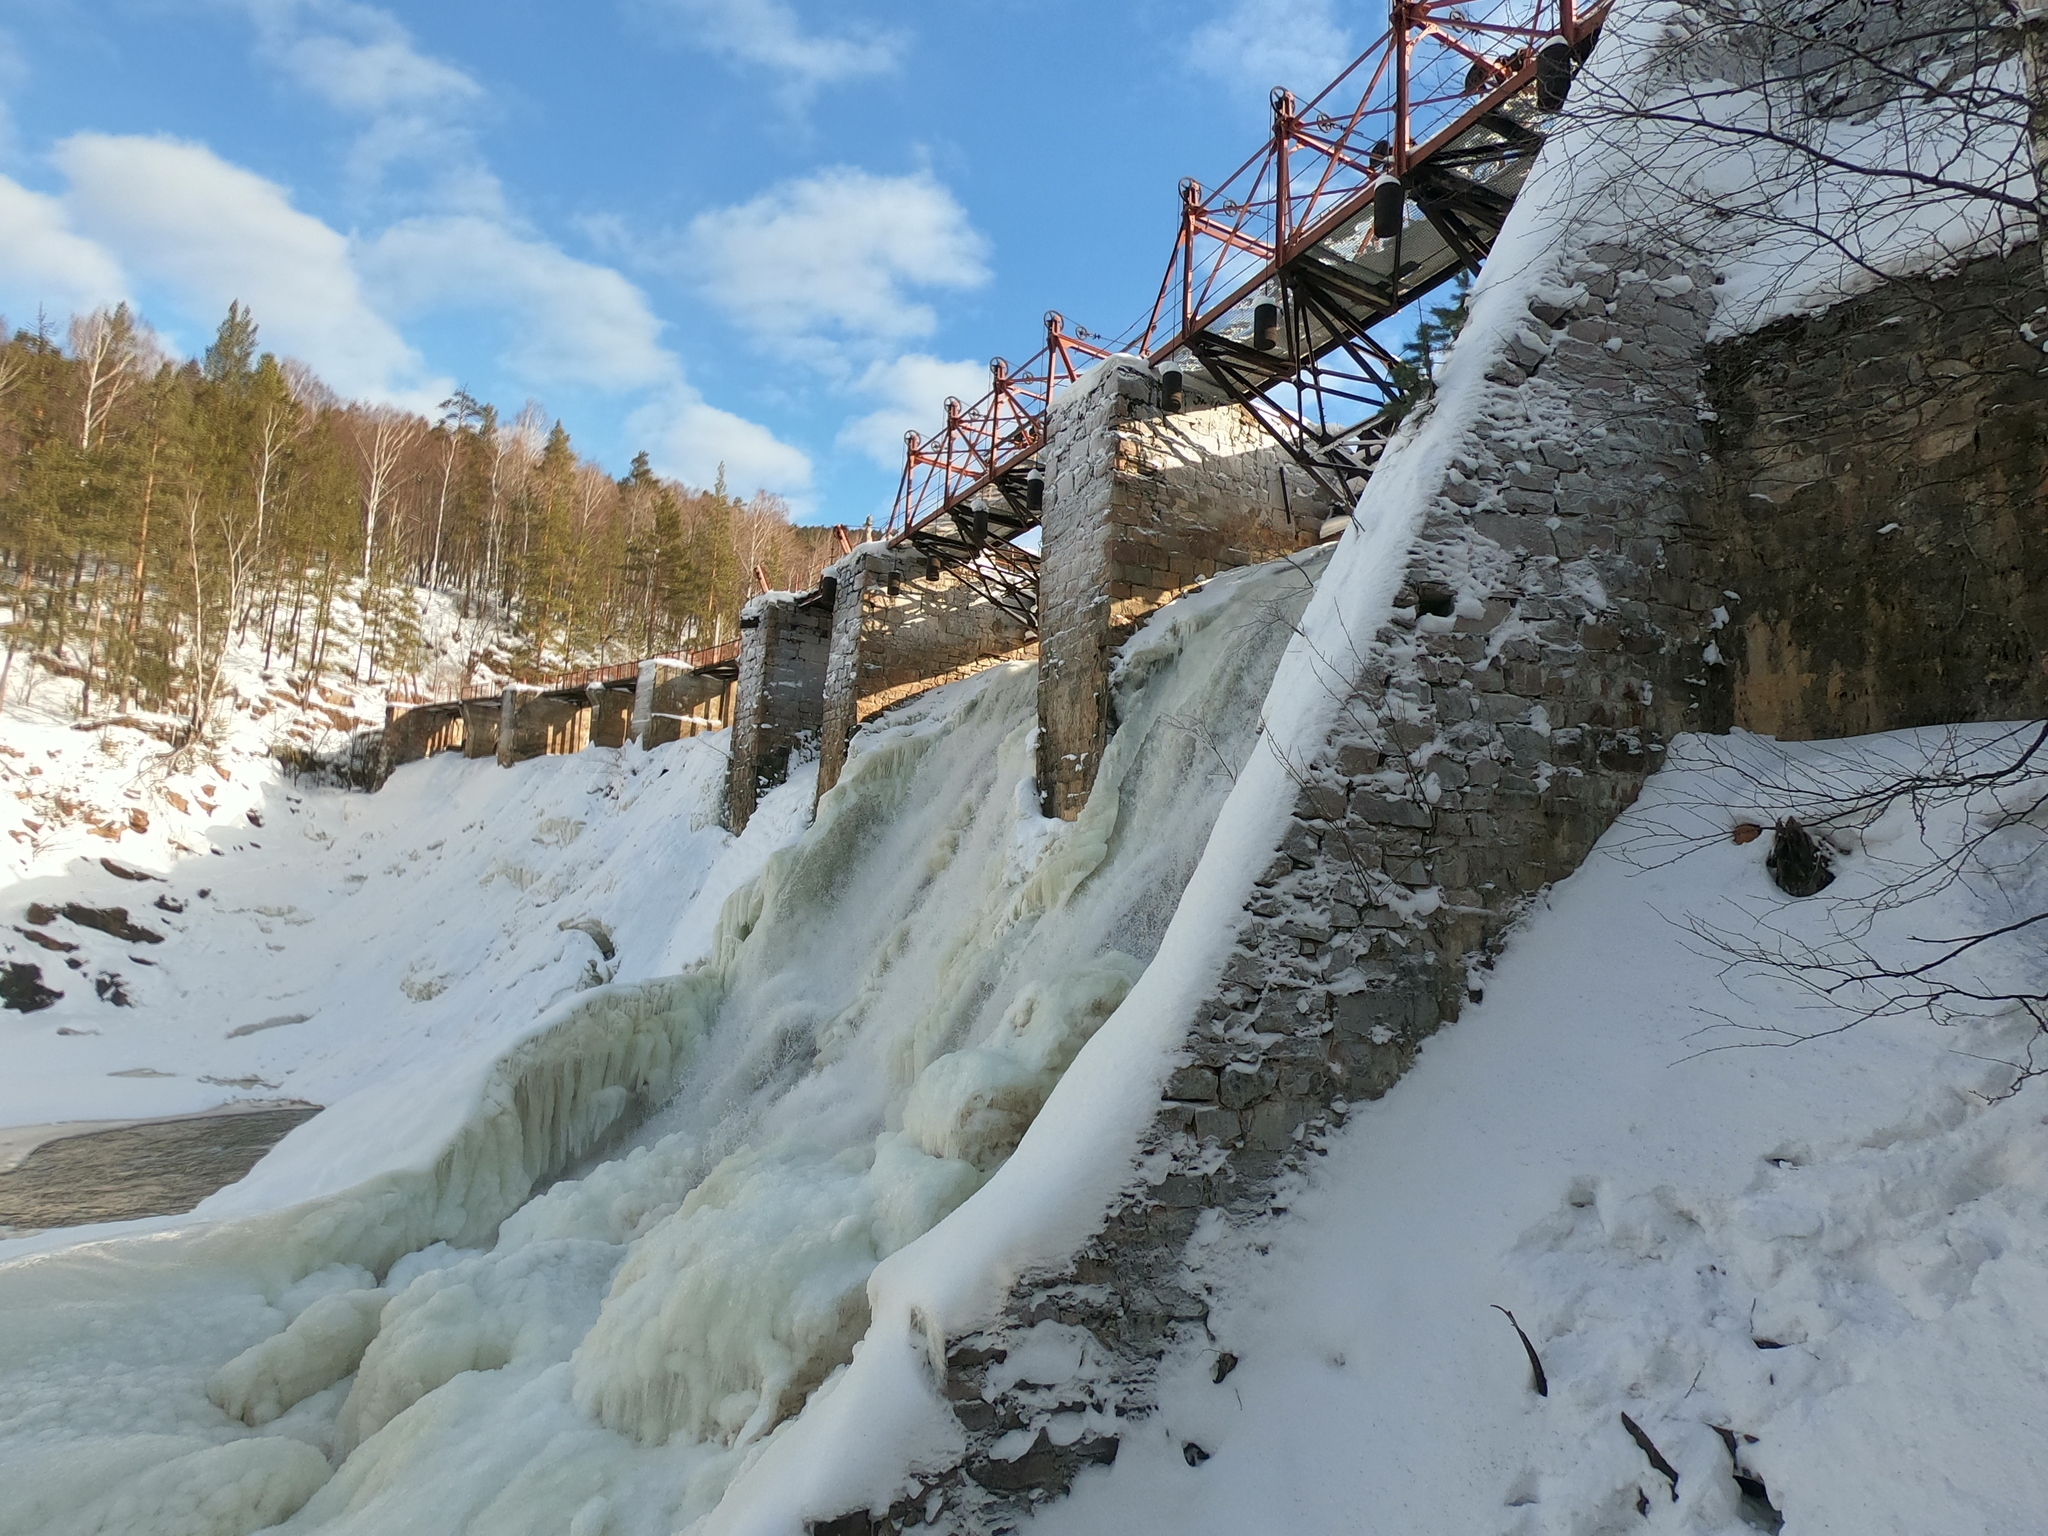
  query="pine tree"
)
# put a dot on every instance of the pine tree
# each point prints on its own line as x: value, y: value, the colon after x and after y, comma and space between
x: 1414, y: 372
x: 151, y: 514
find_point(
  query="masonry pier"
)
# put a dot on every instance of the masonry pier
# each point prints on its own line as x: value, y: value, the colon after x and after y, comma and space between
x: 674, y: 699
x: 412, y: 734
x: 541, y: 723
x: 611, y: 713
x: 480, y: 719
x: 899, y: 627
x: 1140, y: 505
x: 778, y: 710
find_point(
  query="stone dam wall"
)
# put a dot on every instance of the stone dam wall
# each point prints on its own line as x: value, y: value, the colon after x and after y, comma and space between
x: 1893, y: 452
x: 897, y: 630
x: 1142, y: 504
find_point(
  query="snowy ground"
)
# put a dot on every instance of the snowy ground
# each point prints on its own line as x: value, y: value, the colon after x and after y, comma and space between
x: 387, y: 945
x: 1837, y: 1251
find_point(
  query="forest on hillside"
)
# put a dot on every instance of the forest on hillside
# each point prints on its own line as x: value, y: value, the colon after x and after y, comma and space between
x: 155, y: 512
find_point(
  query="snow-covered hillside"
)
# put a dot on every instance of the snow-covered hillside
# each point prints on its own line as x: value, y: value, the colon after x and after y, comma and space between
x: 88, y: 780
x: 1823, y: 1264
x: 658, y: 1170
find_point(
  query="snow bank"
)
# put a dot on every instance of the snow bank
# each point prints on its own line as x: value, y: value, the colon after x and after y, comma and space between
x: 1834, y: 1251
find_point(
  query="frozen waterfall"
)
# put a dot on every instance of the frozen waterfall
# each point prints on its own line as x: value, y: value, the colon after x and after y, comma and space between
x: 722, y: 1158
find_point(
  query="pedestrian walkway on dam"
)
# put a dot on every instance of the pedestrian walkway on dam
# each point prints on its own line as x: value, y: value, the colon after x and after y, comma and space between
x: 651, y: 702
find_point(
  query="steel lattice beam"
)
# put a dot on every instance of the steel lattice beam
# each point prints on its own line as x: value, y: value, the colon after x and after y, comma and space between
x: 1443, y: 106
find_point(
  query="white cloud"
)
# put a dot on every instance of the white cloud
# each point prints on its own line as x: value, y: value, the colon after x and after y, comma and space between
x: 360, y: 60
x: 768, y: 34
x: 690, y: 439
x: 913, y: 390
x: 1296, y: 43
x: 45, y: 263
x: 210, y: 232
x: 372, y: 77
x: 356, y: 57
x: 573, y: 322
x: 188, y: 227
x: 834, y: 256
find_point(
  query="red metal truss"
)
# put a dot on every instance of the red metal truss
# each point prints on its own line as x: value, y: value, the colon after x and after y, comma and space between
x: 983, y: 443
x: 1437, y: 106
x: 1441, y: 69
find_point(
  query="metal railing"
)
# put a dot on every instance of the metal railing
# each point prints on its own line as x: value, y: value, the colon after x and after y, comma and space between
x: 1279, y: 273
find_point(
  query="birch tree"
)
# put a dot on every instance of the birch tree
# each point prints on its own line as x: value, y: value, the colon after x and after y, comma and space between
x: 382, y: 436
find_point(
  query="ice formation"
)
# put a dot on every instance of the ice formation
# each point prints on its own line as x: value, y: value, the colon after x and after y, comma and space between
x: 722, y: 1157
x: 319, y: 1347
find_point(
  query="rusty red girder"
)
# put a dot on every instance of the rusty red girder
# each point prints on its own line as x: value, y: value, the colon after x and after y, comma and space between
x: 980, y: 443
x: 1440, y: 69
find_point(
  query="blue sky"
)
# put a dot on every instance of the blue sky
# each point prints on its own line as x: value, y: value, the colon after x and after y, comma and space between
x: 769, y: 233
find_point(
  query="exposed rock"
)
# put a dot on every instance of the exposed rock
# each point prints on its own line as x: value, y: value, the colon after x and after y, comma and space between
x: 1799, y: 864
x: 1044, y: 1464
x: 22, y: 989
x: 600, y: 933
x: 109, y: 920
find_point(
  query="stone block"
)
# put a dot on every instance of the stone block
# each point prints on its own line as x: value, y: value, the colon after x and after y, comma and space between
x: 1239, y: 1085
x: 611, y: 715
x: 1356, y: 758
x: 480, y: 720
x: 1376, y: 808
x: 535, y: 724
x: 1270, y: 1125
